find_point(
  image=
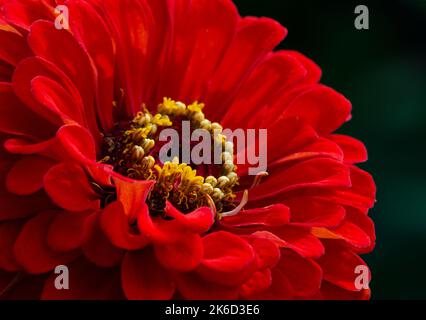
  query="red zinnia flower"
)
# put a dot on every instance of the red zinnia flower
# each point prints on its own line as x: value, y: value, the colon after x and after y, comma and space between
x: 82, y: 184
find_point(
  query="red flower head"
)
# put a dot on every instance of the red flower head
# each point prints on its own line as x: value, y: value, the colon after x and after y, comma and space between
x: 82, y: 111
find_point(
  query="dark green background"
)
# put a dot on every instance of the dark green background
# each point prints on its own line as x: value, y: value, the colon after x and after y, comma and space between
x: 383, y: 72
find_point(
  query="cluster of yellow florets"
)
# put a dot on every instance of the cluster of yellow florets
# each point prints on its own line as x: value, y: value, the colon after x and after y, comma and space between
x: 131, y: 152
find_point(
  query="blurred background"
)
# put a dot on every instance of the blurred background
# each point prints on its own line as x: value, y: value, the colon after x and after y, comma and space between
x: 383, y: 72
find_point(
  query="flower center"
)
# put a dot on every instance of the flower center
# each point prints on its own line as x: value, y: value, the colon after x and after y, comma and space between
x: 134, y: 150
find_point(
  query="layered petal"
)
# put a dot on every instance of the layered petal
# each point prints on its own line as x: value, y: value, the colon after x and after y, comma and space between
x: 31, y: 249
x: 67, y: 185
x: 227, y: 260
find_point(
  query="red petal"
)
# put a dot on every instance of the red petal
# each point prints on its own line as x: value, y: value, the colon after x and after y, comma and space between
x: 23, y: 14
x: 313, y: 71
x: 78, y: 142
x: 132, y: 194
x: 331, y: 292
x: 321, y: 107
x: 16, y: 207
x: 24, y: 147
x: 31, y: 249
x: 296, y: 134
x: 304, y: 275
x: 197, y: 221
x: 347, y: 231
x: 101, y: 173
x: 98, y: 249
x: 259, y: 281
x: 55, y: 98
x: 67, y: 231
x: 198, y: 45
x: 364, y: 222
x: 157, y: 229
x: 24, y: 73
x: 339, y: 265
x: 272, y: 216
x: 99, y: 46
x: 314, y: 212
x: 320, y: 148
x: 228, y: 259
x: 280, y: 288
x: 68, y: 187
x: 298, y: 239
x: 267, y: 252
x: 183, y: 255
x: 363, y: 185
x: 47, y: 42
x: 361, y: 194
x: 266, y: 33
x: 353, y: 149
x: 16, y: 118
x: 26, y: 176
x: 278, y: 71
x: 117, y: 227
x: 311, y: 173
x: 143, y: 278
x: 138, y: 43
x: 14, y: 48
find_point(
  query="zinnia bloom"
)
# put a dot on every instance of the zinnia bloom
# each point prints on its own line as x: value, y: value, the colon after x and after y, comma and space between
x: 81, y: 111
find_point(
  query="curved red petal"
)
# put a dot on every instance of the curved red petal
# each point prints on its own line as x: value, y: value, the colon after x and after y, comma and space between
x: 117, y: 227
x: 197, y: 221
x: 97, y: 248
x: 183, y: 255
x: 303, y: 275
x: 315, y: 104
x: 224, y: 85
x: 31, y: 249
x: 259, y: 282
x: 14, y: 47
x: 48, y: 42
x: 27, y: 175
x: 78, y: 142
x: 198, y: 45
x: 68, y: 187
x: 67, y: 231
x: 16, y: 118
x: 318, y: 173
x: 228, y: 259
x: 339, y: 265
x: 314, y: 212
x: 100, y: 48
x: 267, y: 252
x: 273, y: 75
x: 272, y: 216
x: 353, y: 149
